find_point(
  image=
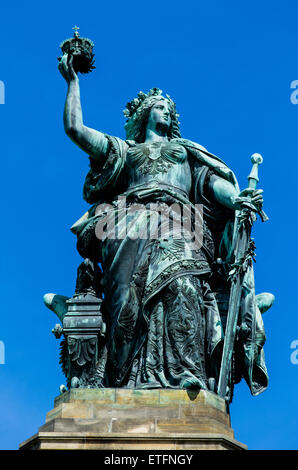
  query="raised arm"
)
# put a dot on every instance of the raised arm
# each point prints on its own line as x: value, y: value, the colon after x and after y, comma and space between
x: 93, y: 142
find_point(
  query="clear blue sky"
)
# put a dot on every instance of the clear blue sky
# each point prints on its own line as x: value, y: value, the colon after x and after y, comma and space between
x: 229, y: 66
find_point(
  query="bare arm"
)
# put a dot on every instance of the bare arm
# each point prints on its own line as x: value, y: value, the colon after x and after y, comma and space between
x: 91, y: 141
x: 227, y: 195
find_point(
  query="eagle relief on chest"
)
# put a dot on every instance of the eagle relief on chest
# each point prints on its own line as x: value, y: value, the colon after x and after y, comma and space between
x: 155, y: 158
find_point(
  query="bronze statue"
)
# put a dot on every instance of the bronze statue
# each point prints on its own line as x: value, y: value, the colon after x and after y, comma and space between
x: 164, y: 300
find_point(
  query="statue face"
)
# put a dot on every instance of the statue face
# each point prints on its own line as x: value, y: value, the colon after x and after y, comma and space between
x: 159, y: 115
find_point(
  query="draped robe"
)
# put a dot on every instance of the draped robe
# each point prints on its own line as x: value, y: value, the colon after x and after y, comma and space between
x: 165, y: 309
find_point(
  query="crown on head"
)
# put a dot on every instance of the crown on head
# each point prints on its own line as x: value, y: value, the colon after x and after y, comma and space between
x: 81, y: 50
x: 133, y: 105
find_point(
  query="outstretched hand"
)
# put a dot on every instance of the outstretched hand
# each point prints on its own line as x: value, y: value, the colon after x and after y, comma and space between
x: 66, y: 68
x: 251, y: 198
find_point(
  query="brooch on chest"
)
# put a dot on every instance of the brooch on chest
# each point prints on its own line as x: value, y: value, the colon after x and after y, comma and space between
x: 155, y: 158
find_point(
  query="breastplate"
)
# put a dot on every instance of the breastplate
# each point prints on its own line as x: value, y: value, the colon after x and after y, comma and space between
x: 165, y: 163
x: 155, y: 158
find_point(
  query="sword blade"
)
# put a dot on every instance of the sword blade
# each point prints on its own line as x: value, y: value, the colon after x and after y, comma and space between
x: 230, y: 333
x: 241, y: 245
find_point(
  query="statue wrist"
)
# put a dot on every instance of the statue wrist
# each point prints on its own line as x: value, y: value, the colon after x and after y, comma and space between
x: 234, y: 202
x: 73, y: 80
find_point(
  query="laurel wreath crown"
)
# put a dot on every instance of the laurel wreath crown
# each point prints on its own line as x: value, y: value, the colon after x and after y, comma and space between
x: 133, y: 105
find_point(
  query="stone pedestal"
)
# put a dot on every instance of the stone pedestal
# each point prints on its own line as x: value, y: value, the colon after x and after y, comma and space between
x: 122, y: 419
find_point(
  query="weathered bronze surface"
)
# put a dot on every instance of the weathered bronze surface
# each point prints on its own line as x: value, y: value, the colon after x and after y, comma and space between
x: 174, y: 309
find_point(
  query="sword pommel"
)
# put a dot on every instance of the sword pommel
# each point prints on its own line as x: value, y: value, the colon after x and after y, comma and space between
x: 253, y: 177
x: 257, y: 158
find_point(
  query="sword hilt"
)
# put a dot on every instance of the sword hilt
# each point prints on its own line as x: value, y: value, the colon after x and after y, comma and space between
x: 253, y: 178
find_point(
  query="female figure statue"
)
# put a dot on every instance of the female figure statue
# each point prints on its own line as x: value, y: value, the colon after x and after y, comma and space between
x: 164, y: 297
